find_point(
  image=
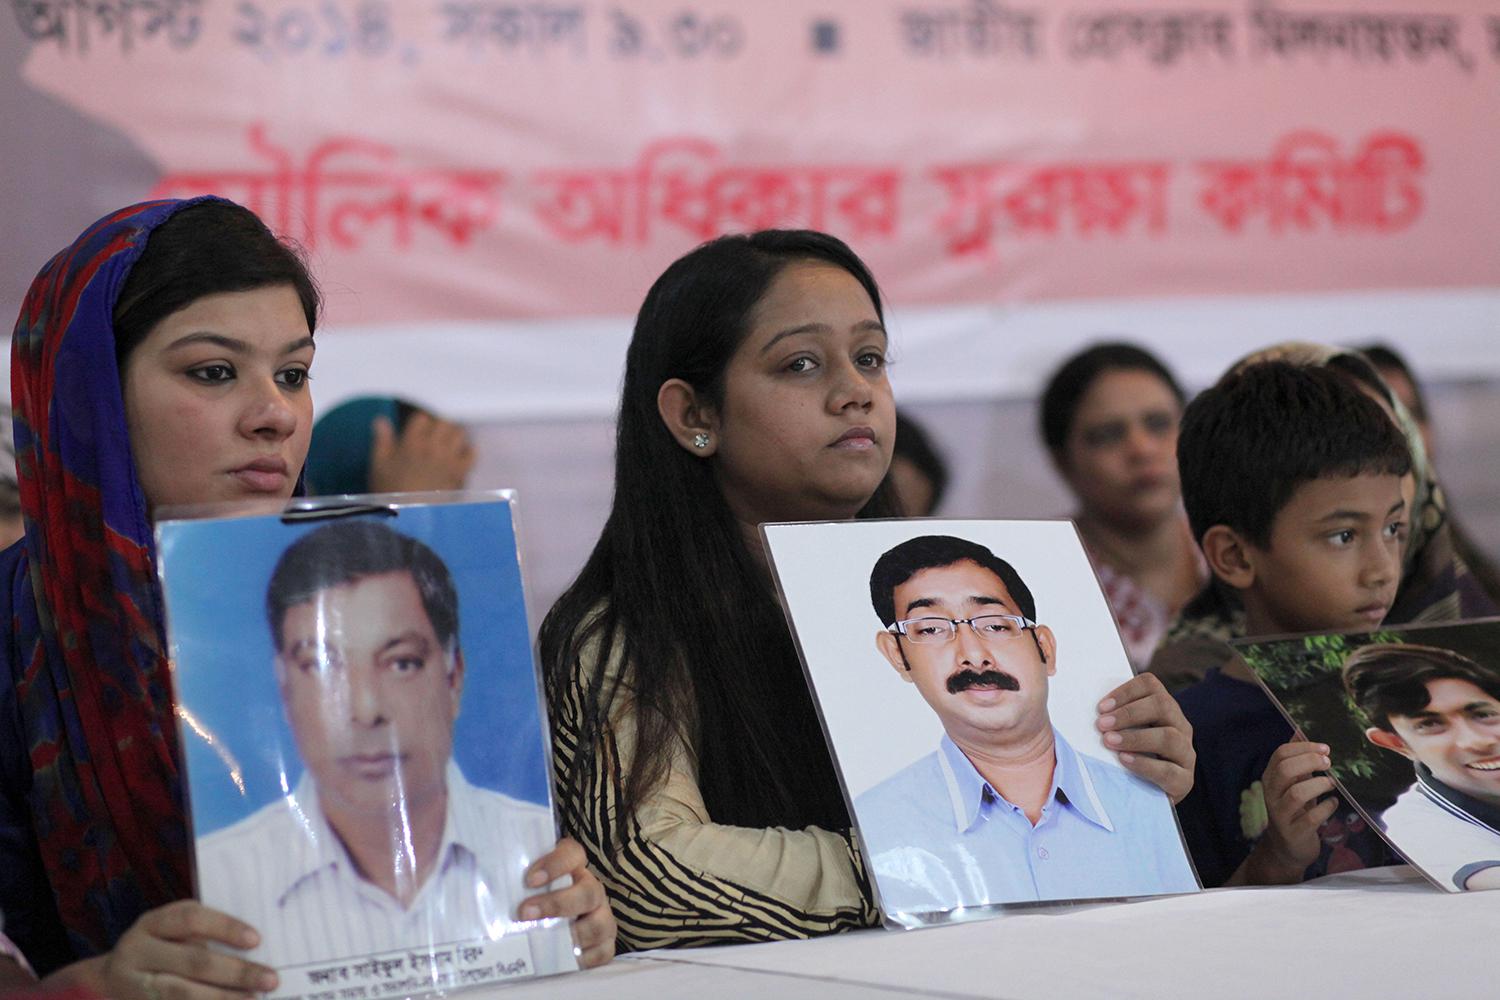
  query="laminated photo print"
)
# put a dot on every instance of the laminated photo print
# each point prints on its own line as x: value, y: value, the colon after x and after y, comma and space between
x: 367, y: 759
x: 957, y: 667
x: 1411, y: 716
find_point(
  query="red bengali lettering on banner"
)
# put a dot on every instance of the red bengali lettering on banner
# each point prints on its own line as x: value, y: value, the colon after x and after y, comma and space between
x: 331, y: 198
x: 866, y: 200
x: 967, y: 221
x: 683, y: 183
x: 1305, y: 184
x: 581, y: 205
x: 266, y: 192
x: 751, y: 199
x: 347, y: 191
x: 1050, y: 200
x: 1381, y: 181
x: 1303, y: 174
x: 673, y: 177
x: 1111, y: 197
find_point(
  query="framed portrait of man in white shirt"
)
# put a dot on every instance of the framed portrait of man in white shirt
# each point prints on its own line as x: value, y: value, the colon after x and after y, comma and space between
x: 367, y: 761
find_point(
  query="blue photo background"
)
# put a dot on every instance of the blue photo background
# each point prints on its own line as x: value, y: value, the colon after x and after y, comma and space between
x: 215, y: 575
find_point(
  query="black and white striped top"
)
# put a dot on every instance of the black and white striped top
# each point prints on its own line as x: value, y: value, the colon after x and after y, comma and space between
x: 677, y: 879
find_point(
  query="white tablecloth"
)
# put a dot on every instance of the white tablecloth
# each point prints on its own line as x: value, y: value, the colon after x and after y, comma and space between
x: 1383, y: 933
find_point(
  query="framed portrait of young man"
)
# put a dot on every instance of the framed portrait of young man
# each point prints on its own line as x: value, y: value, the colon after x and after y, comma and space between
x: 1411, y: 717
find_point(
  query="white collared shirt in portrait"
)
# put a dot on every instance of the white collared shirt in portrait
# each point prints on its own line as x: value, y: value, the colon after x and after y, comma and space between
x: 1432, y: 828
x: 284, y: 871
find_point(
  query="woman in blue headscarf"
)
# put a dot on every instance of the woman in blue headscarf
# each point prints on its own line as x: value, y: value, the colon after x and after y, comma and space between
x: 381, y: 444
x: 160, y: 359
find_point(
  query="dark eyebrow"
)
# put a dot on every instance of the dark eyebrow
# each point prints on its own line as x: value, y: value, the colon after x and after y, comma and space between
x: 296, y: 648
x: 233, y: 343
x: 1344, y: 515
x: 868, y: 325
x: 411, y: 636
x: 928, y: 602
x: 1355, y: 515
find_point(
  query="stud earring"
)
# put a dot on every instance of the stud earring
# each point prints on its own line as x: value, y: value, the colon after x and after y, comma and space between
x: 700, y: 440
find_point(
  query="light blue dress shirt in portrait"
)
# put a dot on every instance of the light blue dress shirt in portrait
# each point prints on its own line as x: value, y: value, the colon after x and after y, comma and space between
x: 937, y: 836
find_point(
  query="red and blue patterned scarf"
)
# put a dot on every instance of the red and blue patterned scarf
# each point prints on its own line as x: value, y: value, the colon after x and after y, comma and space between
x: 94, y: 694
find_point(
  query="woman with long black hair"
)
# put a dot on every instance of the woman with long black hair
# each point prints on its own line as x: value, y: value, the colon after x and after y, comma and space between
x: 690, y: 761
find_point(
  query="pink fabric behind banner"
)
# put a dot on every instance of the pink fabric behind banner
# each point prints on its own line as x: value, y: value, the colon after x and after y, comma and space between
x: 488, y: 188
x: 477, y: 160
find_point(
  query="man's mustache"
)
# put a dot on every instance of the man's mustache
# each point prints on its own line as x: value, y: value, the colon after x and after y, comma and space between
x: 965, y: 679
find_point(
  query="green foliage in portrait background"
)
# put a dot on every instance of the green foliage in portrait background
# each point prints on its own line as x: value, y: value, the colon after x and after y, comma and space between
x: 1305, y: 674
x: 1306, y: 677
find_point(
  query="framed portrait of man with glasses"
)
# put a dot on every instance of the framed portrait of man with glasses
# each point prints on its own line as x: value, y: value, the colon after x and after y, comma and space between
x: 968, y: 732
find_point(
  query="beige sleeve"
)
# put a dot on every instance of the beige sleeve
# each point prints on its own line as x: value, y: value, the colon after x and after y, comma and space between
x: 807, y: 869
x: 677, y: 878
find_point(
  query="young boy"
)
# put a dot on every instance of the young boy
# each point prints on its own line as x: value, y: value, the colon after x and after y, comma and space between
x: 1292, y: 480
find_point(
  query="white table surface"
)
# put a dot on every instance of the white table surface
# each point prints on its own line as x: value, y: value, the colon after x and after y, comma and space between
x: 1383, y: 933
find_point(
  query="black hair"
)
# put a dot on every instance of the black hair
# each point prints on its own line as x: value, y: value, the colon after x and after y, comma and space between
x: 10, y: 487
x: 1385, y: 359
x: 207, y: 248
x: 1391, y: 679
x: 1356, y: 366
x: 906, y: 560
x: 1071, y: 382
x: 347, y: 551
x: 1250, y: 441
x: 673, y: 590
x: 914, y: 445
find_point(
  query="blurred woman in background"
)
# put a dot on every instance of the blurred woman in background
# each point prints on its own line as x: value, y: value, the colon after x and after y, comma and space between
x: 1109, y: 419
x: 690, y: 760
x: 381, y: 444
x: 161, y: 359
